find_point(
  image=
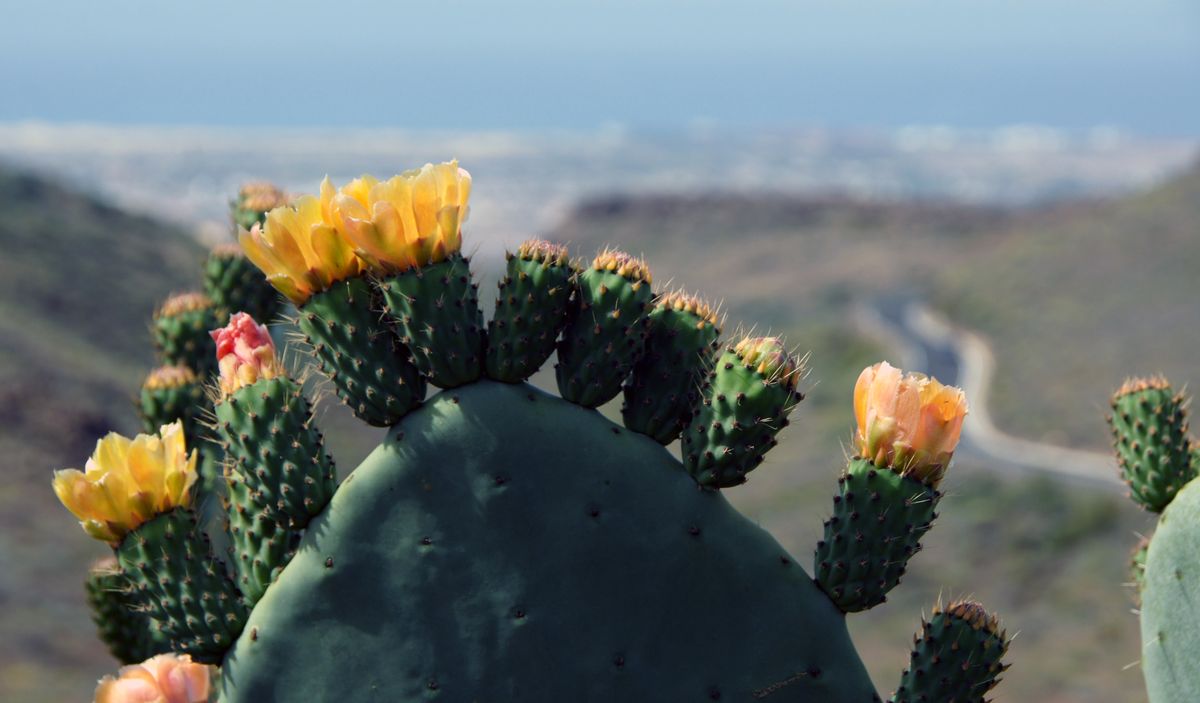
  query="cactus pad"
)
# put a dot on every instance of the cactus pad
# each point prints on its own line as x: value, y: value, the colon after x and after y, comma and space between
x: 436, y: 312
x: 361, y: 355
x: 1149, y: 425
x: 450, y: 565
x: 879, y: 517
x: 181, y: 327
x: 173, y: 393
x: 1171, y: 602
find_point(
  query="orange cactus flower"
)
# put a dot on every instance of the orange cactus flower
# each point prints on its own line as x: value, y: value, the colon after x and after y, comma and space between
x: 166, y: 678
x: 907, y: 422
x: 126, y: 482
x: 245, y: 353
x: 410, y: 220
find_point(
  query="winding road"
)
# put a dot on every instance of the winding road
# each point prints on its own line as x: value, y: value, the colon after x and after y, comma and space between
x: 928, y: 342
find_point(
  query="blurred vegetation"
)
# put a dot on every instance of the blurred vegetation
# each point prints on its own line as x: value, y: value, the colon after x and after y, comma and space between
x: 79, y: 280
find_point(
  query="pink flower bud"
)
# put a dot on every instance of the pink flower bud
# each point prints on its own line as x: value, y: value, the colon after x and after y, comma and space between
x: 166, y: 678
x: 245, y: 353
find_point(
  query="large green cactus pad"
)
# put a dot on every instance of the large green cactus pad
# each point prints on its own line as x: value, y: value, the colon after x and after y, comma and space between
x: 1171, y: 603
x: 504, y: 545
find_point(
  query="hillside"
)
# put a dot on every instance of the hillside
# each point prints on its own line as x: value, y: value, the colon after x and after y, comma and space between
x: 1075, y: 298
x: 78, y: 282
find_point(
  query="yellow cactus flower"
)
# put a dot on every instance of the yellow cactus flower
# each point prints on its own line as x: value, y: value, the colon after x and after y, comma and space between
x: 410, y: 220
x: 907, y: 422
x: 128, y: 481
x: 166, y: 678
x: 245, y: 354
x: 300, y: 251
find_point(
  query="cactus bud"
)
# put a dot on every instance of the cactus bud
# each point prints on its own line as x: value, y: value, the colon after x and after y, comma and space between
x: 1150, y: 437
x: 624, y: 265
x: 245, y: 353
x: 128, y: 481
x: 909, y: 423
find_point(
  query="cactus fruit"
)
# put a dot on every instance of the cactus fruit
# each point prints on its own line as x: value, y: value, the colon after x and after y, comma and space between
x: 531, y: 309
x: 173, y: 393
x: 752, y: 390
x: 956, y: 658
x: 181, y: 326
x: 127, y: 631
x: 278, y: 473
x: 473, y: 568
x: 253, y: 202
x: 1150, y: 437
x: 502, y: 544
x: 183, y: 587
x: 606, y: 329
x: 234, y: 283
x: 436, y: 312
x: 663, y: 392
x: 908, y: 427
x: 370, y: 368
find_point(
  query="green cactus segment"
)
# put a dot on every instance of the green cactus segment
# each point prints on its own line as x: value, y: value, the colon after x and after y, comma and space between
x: 736, y: 424
x: 531, y: 309
x: 161, y: 404
x: 451, y: 566
x: 1149, y: 426
x: 604, y: 338
x: 237, y: 285
x: 1137, y: 567
x: 183, y: 587
x: 1171, y: 603
x: 261, y: 545
x: 664, y: 390
x: 273, y: 445
x: 436, y: 312
x: 879, y: 517
x: 182, y: 338
x: 361, y: 355
x: 956, y: 658
x: 127, y: 631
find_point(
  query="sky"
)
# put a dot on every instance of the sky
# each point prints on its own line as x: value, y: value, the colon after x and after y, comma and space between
x: 564, y: 64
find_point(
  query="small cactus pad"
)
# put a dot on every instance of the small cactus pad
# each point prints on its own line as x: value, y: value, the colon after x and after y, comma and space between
x: 450, y: 565
x: 1171, y: 602
x: 253, y: 202
x: 436, y: 312
x: 606, y: 332
x: 173, y: 393
x: 1137, y: 567
x: 236, y: 285
x: 368, y: 365
x: 751, y: 391
x: 182, y: 586
x: 956, y: 658
x: 879, y: 517
x: 531, y: 309
x: 1149, y: 425
x: 664, y: 390
x: 273, y: 445
x: 261, y: 545
x: 181, y: 327
x: 127, y: 631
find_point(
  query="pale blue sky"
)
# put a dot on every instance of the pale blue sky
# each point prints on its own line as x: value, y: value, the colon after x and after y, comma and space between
x: 535, y: 64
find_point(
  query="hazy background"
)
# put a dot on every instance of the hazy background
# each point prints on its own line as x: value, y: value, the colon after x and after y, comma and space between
x: 1025, y: 172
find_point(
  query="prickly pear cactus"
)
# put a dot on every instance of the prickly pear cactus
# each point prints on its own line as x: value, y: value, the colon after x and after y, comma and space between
x: 503, y: 544
x: 1150, y: 439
